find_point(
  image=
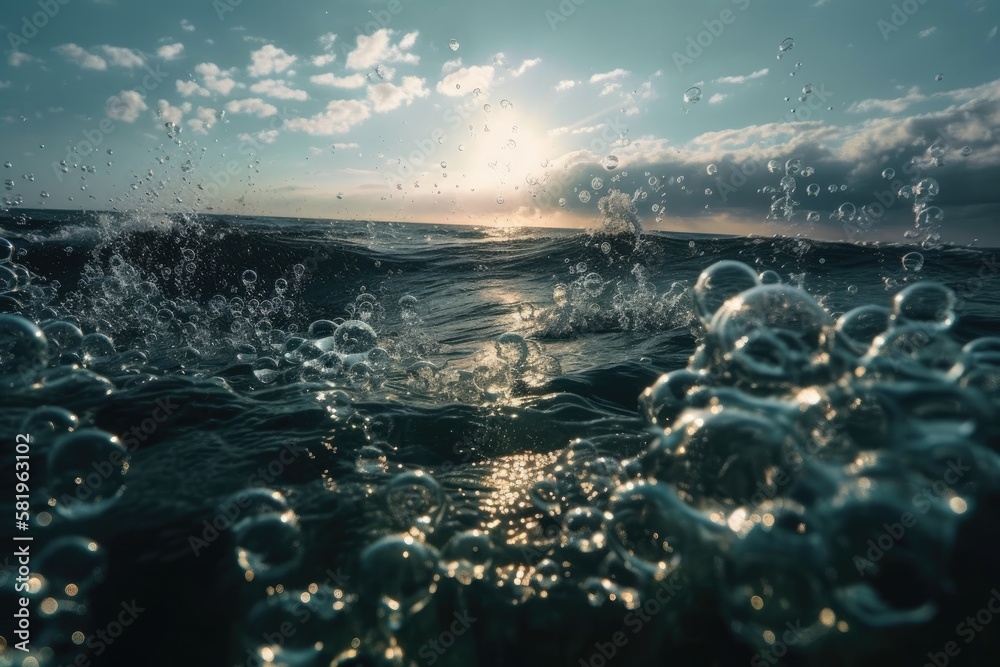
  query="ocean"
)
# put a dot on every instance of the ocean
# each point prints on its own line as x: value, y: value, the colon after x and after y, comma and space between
x: 269, y: 441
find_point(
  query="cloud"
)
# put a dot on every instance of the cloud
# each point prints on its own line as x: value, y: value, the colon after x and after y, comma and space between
x: 603, y: 77
x: 79, y: 56
x: 610, y: 88
x: 122, y: 57
x: 252, y: 105
x: 326, y: 40
x: 927, y: 32
x: 897, y: 105
x: 743, y: 78
x: 170, y: 51
x: 4, y: 84
x: 352, y: 81
x: 323, y: 60
x: 125, y: 106
x: 717, y: 98
x: 203, y: 121
x: 464, y: 81
x: 18, y: 58
x: 377, y: 48
x: 587, y: 129
x: 262, y: 137
x: 216, y: 79
x: 269, y: 59
x: 277, y: 89
x: 387, y: 96
x: 565, y: 84
x: 339, y: 117
x: 451, y: 65
x: 525, y: 66
x: 190, y: 88
x: 171, y: 114
x: 187, y: 26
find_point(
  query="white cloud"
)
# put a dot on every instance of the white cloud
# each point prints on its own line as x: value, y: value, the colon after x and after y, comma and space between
x: 187, y: 26
x: 587, y: 129
x: 170, y: 51
x: 171, y: 114
x: 717, y: 98
x: 602, y: 77
x: 565, y: 84
x: 610, y: 88
x: 465, y: 80
x: 262, y: 137
x: 4, y: 84
x: 897, y: 105
x: 525, y: 66
x: 189, y: 88
x: 277, y: 89
x: 377, y: 48
x: 270, y: 59
x: 326, y: 41
x: 387, y: 96
x: 17, y: 58
x: 79, y: 56
x: 451, y: 65
x: 216, y: 80
x: 743, y: 78
x: 324, y: 60
x: 122, y: 57
x: 352, y: 81
x: 252, y: 105
x: 339, y: 116
x: 125, y: 106
x: 352, y: 144
x: 203, y: 121
x: 927, y: 32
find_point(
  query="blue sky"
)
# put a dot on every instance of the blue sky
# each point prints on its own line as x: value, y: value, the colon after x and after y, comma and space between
x: 362, y: 109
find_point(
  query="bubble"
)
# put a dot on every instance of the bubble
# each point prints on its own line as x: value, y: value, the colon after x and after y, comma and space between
x: 927, y: 187
x: 692, y: 95
x: 87, y: 472
x: 966, y: 151
x: 322, y: 329
x: 786, y: 45
x: 96, y: 348
x: 562, y: 202
x: 8, y: 164
x: 249, y: 277
x: 23, y: 350
x: 846, y: 212
x: 500, y: 200
x: 268, y: 545
x: 913, y: 262
x: 584, y: 196
x: 711, y: 170
x: 487, y: 108
x: 860, y: 326
x: 6, y: 250
x: 71, y: 562
x: 888, y: 174
x: 813, y: 190
x: 467, y: 556
x: 280, y: 286
x: 47, y: 423
x: 769, y: 277
x: 807, y: 89
x: 265, y: 370
x: 62, y: 337
x: 719, y: 282
x: 415, y: 499
x: 662, y: 402
x: 355, y: 337
x: 774, y: 166
x: 928, y: 303
x: 610, y: 162
x: 512, y: 349
x: 597, y: 183
x: 606, y: 247
x: 647, y: 529
x: 453, y: 44
x: 401, y: 574
x: 771, y: 332
x: 939, y: 77
x: 793, y: 166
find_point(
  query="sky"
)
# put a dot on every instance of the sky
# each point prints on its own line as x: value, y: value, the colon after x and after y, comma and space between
x: 464, y: 111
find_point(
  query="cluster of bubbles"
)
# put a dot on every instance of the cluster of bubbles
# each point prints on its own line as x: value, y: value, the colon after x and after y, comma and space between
x: 777, y: 457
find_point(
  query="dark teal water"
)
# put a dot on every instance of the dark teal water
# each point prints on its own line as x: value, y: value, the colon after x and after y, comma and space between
x: 322, y: 443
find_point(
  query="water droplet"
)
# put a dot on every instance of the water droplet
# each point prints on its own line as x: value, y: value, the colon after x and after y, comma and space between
x: 500, y: 200
x: 692, y: 95
x: 584, y: 196
x: 888, y: 174
x: 487, y: 108
x: 249, y: 277
x: 711, y: 170
x: 453, y: 44
x: 787, y: 45
x: 610, y: 162
x: 939, y: 77
x: 597, y: 183
x: 913, y: 262
x: 966, y: 151
x: 562, y: 202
